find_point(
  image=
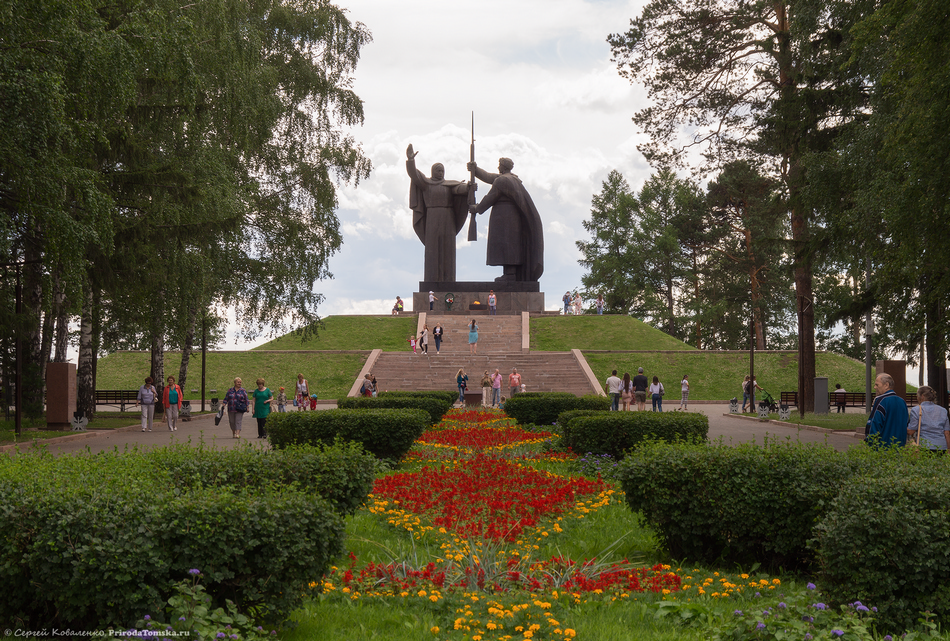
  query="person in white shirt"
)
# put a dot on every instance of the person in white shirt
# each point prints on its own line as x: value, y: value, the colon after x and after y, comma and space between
x: 684, y: 388
x: 613, y: 389
x: 657, y: 391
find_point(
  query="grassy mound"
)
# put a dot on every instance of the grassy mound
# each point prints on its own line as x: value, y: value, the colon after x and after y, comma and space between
x: 563, y: 333
x: 719, y: 375
x: 330, y: 375
x: 387, y: 333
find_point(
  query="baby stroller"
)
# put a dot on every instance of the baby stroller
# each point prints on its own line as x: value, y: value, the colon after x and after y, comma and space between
x: 769, y: 400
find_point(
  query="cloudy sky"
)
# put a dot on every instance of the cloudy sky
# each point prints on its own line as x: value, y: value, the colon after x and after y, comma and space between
x: 538, y: 76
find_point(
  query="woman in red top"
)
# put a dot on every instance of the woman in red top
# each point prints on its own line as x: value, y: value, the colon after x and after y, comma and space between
x: 171, y: 399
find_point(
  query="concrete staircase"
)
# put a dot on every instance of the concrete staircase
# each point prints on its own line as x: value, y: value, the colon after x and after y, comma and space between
x: 499, y: 346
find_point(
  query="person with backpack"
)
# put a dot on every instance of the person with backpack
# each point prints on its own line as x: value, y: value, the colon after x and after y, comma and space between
x: 237, y: 403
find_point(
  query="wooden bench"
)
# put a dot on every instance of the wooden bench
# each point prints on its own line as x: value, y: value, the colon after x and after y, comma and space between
x: 119, y: 397
x: 851, y: 399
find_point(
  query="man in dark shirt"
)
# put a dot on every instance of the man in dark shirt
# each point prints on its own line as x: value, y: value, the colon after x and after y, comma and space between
x: 640, y: 384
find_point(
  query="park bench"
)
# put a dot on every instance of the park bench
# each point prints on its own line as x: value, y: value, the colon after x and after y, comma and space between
x: 851, y: 399
x: 119, y: 397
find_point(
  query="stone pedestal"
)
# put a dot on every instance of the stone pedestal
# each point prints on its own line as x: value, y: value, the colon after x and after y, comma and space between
x: 511, y: 297
x: 821, y: 395
x: 898, y: 371
x: 60, y: 395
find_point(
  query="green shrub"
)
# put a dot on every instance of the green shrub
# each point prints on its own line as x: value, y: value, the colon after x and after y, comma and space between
x: 342, y: 473
x: 385, y: 433
x: 740, y: 504
x: 87, y: 558
x: 449, y: 396
x: 886, y: 541
x: 434, y: 406
x: 614, y: 433
x: 543, y: 408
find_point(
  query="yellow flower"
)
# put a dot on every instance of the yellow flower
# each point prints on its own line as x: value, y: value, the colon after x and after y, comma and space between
x: 434, y: 598
x: 434, y: 629
x: 570, y: 633
x: 776, y: 582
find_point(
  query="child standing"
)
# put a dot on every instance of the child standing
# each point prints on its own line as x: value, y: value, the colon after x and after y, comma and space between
x: 313, y: 401
x: 282, y: 400
x: 412, y: 343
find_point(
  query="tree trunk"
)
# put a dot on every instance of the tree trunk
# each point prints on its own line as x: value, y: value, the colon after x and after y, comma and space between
x: 806, y: 313
x: 157, y: 371
x: 34, y: 382
x: 936, y: 349
x: 188, y: 346
x: 85, y: 380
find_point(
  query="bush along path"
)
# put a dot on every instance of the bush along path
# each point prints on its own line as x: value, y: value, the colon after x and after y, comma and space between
x: 482, y: 503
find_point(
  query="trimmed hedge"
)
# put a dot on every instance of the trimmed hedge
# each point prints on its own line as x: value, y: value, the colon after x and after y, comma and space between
x: 736, y: 504
x: 343, y: 473
x: 543, y: 408
x: 88, y: 559
x: 450, y: 396
x: 434, y: 406
x: 385, y: 433
x: 886, y: 542
x: 92, y: 541
x: 615, y: 433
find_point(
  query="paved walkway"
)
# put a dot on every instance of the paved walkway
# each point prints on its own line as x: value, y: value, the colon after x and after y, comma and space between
x: 732, y: 429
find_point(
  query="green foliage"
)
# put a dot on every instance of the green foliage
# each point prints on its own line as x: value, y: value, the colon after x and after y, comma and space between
x: 886, y: 540
x: 543, y: 408
x: 433, y: 404
x: 450, y: 396
x: 385, y: 433
x: 261, y: 525
x: 796, y: 614
x: 566, y: 417
x: 615, y: 433
x: 191, y: 611
x: 342, y: 473
x: 746, y: 503
x: 259, y: 548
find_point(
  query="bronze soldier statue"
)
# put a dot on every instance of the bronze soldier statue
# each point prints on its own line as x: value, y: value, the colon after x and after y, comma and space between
x: 515, y: 239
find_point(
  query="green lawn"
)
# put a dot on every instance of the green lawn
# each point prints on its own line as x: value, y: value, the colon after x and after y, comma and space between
x: 330, y: 375
x: 855, y: 418
x: 719, y: 375
x: 562, y: 333
x: 387, y: 333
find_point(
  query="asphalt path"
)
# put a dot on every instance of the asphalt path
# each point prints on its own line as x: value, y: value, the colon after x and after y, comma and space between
x: 202, y: 430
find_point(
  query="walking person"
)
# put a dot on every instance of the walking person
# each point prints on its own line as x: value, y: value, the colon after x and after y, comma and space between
x: 281, y: 400
x: 473, y: 337
x: 745, y: 391
x: 567, y: 302
x: 146, y: 397
x: 171, y: 401
x: 237, y: 403
x: 928, y: 424
x: 840, y: 399
x: 496, y: 388
x: 431, y: 300
x: 514, y: 382
x: 684, y: 389
x: 412, y: 342
x: 578, y: 304
x: 888, y: 421
x: 461, y: 379
x: 437, y: 335
x: 656, y: 393
x: 262, y: 400
x: 424, y: 339
x: 492, y: 303
x: 303, y: 393
x: 486, y: 389
x: 366, y: 389
x: 600, y: 304
x: 626, y: 392
x: 640, y: 384
x: 612, y: 387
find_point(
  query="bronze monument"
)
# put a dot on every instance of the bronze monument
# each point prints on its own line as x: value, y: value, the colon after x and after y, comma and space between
x: 439, y: 209
x: 515, y: 238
